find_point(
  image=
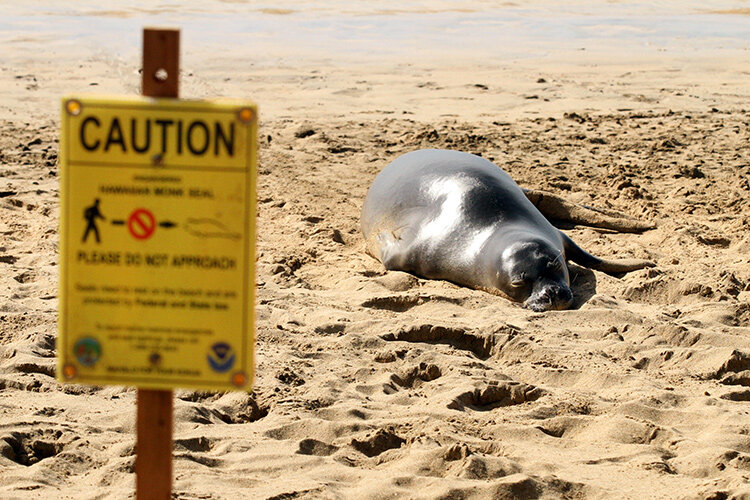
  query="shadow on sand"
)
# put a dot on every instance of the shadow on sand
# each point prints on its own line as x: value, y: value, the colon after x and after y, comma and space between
x: 582, y: 284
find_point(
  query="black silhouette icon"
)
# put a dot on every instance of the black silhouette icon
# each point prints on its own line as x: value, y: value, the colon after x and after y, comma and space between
x: 91, y: 214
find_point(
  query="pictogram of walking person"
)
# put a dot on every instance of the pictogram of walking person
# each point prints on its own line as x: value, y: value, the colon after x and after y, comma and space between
x: 91, y: 214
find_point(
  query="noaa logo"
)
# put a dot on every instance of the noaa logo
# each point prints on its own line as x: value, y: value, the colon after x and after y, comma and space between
x: 221, y: 357
x: 87, y: 351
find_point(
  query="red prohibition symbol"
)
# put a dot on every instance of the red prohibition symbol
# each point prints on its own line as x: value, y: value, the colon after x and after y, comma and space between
x: 141, y: 224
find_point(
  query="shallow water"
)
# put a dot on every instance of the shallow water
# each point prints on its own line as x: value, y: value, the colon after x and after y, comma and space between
x: 365, y: 31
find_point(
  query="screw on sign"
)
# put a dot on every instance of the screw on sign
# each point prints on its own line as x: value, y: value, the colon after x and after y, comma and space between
x: 141, y: 224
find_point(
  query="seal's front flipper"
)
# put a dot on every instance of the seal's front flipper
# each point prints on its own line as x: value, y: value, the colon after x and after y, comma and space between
x: 580, y: 256
x: 557, y: 208
x: 390, y: 249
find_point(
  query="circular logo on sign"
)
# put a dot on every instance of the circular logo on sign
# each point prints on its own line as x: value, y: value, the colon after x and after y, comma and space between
x: 141, y: 224
x: 87, y: 351
x: 221, y: 357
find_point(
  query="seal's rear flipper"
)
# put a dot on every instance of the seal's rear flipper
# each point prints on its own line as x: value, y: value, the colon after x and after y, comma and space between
x: 580, y: 256
x: 556, y: 208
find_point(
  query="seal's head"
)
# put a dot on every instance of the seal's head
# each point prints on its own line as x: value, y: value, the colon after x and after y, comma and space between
x: 535, y: 273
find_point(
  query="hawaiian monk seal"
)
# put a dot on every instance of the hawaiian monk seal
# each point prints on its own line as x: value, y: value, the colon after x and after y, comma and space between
x: 456, y: 216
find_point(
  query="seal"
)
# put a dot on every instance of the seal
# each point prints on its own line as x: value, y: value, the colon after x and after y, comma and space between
x: 455, y: 216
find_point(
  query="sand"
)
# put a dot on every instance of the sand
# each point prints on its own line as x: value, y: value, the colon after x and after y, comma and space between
x: 374, y: 384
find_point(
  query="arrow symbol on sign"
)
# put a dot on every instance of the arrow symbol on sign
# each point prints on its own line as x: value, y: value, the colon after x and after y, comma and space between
x: 167, y: 224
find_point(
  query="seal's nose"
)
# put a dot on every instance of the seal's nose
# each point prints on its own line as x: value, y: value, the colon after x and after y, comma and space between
x: 560, y: 296
x: 551, y: 296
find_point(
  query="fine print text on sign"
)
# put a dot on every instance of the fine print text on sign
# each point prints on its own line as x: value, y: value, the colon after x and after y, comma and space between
x: 157, y: 242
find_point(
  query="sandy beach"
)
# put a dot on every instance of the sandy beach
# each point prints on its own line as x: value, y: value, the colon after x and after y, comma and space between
x: 375, y: 384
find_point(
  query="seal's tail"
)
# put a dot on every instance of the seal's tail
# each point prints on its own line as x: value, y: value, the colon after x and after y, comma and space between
x: 555, y: 208
x: 580, y: 256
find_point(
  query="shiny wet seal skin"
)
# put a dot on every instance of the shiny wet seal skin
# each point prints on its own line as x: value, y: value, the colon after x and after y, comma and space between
x: 450, y: 215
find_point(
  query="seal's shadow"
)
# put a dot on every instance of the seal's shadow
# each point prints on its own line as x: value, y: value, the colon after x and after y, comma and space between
x: 582, y: 284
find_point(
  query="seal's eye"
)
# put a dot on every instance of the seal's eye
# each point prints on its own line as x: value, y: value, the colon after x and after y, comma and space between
x: 519, y: 281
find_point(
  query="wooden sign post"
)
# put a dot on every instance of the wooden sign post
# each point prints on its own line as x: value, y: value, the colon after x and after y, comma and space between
x: 153, y: 463
x: 157, y: 248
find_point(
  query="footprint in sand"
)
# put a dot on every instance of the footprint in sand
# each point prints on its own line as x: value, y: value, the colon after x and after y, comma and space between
x: 378, y: 442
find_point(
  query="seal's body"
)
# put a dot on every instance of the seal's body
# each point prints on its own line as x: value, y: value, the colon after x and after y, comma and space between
x: 455, y: 216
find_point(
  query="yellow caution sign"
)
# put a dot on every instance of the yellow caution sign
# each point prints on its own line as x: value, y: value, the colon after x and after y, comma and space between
x: 157, y: 242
